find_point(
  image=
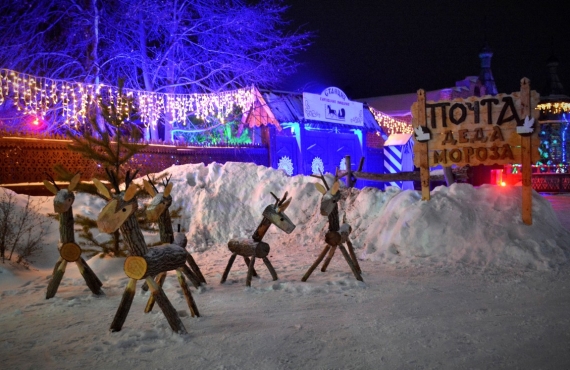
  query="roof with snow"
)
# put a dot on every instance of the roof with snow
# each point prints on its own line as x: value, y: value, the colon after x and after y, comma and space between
x: 281, y: 107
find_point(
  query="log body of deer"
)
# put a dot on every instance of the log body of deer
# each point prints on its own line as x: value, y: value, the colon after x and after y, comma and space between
x: 337, y: 234
x: 253, y: 247
x: 119, y: 213
x: 157, y: 211
x: 69, y: 251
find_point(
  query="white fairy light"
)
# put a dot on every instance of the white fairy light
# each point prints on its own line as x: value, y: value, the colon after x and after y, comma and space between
x: 37, y: 95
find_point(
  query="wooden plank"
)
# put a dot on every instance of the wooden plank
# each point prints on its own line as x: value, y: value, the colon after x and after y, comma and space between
x: 388, y: 177
x: 526, y: 155
x: 422, y: 148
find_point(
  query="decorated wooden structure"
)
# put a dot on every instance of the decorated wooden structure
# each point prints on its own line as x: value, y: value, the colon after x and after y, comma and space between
x: 475, y: 131
x: 143, y: 262
x: 337, y: 234
x: 158, y: 211
x: 69, y: 251
x: 255, y: 248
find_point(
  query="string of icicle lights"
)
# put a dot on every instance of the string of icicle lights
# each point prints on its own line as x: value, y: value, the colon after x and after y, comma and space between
x: 391, y: 125
x: 38, y: 95
x: 554, y: 108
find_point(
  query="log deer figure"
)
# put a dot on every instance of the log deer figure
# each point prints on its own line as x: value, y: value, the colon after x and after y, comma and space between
x: 157, y: 211
x: 337, y: 234
x: 69, y: 251
x: 143, y: 262
x: 253, y: 247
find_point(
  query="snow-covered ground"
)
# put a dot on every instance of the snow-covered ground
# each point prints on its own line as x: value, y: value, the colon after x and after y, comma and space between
x: 455, y: 282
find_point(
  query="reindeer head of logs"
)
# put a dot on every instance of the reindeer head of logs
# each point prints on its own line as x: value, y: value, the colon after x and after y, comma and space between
x: 331, y: 196
x: 121, y: 205
x: 160, y: 201
x: 64, y: 198
x: 276, y: 213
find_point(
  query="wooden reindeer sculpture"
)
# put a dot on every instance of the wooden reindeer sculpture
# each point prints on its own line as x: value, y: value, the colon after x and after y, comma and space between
x: 69, y: 251
x: 157, y: 211
x: 253, y: 247
x: 144, y: 262
x: 336, y: 235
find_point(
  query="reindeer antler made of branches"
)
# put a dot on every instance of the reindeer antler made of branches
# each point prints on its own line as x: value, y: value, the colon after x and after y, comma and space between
x: 129, y: 179
x: 165, y: 182
x: 151, y: 181
x: 113, y: 179
x: 279, y: 202
x: 52, y: 181
x: 322, y: 177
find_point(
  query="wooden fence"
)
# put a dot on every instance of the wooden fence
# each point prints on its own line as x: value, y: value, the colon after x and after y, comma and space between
x: 25, y: 160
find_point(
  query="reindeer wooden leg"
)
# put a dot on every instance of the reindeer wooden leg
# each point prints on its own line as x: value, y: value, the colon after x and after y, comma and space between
x: 353, y: 255
x: 189, y: 299
x: 350, y: 263
x: 166, y: 307
x: 56, y: 279
x: 329, y: 258
x: 144, y: 287
x: 56, y: 265
x: 191, y: 276
x: 150, y: 303
x: 247, y: 262
x: 228, y: 267
x: 124, y: 306
x: 194, y: 266
x: 95, y: 276
x: 316, y: 263
x: 270, y: 268
x: 250, y: 271
x: 92, y: 281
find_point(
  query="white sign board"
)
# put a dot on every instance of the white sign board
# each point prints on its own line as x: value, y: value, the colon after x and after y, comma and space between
x: 332, y: 106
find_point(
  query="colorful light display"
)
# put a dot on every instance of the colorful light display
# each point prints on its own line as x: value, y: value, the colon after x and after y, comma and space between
x: 391, y: 125
x: 38, y: 96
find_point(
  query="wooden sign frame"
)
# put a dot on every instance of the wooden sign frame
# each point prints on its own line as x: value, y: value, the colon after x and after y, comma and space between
x: 486, y: 130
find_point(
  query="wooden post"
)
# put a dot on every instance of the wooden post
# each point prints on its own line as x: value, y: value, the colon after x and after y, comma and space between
x: 526, y: 156
x: 349, y: 182
x: 423, y: 147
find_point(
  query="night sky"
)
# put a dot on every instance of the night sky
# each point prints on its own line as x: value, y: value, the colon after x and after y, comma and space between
x: 375, y: 47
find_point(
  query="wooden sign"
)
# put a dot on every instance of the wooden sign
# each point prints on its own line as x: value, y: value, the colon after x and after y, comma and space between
x: 486, y: 130
x: 474, y: 131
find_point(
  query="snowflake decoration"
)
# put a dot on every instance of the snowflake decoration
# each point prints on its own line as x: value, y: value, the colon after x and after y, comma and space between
x: 286, y: 165
x: 342, y: 165
x: 317, y: 166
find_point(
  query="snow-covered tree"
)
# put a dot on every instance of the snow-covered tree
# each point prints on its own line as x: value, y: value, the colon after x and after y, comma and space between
x: 170, y: 46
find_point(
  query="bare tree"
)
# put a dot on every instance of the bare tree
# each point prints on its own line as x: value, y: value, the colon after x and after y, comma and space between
x: 169, y: 46
x: 22, y: 228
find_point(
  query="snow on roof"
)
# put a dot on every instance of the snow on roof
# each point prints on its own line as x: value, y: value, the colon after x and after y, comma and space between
x: 288, y: 107
x: 397, y: 105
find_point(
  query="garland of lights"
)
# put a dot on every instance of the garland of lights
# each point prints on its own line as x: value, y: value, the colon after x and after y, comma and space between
x: 389, y: 124
x: 554, y: 108
x: 38, y: 95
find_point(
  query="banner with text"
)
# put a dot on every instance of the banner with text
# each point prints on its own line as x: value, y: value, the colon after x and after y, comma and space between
x: 332, y: 106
